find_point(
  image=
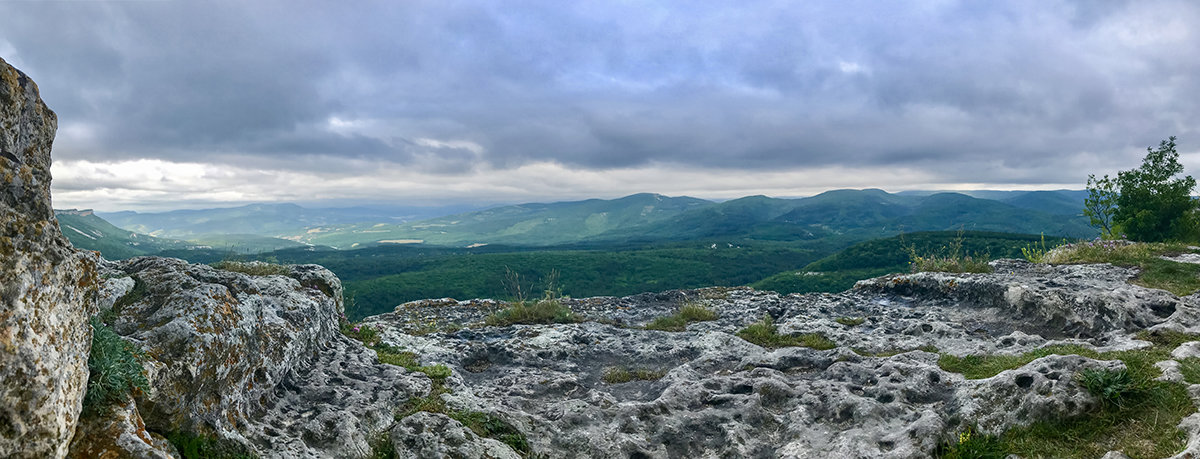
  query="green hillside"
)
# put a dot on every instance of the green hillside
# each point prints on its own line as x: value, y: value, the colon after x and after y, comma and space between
x: 525, y: 224
x: 838, y: 272
x: 87, y: 231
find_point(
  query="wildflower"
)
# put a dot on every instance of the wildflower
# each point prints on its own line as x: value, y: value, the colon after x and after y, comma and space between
x: 355, y: 328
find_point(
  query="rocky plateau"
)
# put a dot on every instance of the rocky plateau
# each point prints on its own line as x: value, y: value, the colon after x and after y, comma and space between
x: 259, y: 361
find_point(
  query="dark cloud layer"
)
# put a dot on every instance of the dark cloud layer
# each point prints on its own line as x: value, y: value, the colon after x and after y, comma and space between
x: 1000, y: 92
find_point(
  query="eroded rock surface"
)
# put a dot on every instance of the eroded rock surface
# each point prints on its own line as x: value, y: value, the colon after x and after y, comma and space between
x: 879, y: 393
x: 47, y: 289
x: 255, y: 360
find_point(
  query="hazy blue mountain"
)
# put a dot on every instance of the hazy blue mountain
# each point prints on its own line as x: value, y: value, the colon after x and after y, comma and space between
x: 1060, y: 202
x: 263, y: 219
x: 524, y: 224
x: 87, y: 231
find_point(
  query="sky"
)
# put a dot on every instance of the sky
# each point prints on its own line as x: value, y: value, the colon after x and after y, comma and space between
x: 193, y: 104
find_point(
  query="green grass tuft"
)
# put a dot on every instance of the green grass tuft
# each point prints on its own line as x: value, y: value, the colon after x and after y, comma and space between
x: 547, y: 311
x: 690, y: 312
x: 114, y: 370
x: 972, y: 444
x: 1190, y: 367
x: 486, y: 425
x: 764, y: 333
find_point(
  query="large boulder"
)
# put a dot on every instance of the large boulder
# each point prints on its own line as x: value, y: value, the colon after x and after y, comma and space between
x: 48, y: 288
x: 255, y: 362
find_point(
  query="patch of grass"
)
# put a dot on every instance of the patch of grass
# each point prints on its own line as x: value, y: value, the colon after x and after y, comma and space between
x: 362, y: 332
x: 486, y: 425
x: 690, y: 312
x: 1139, y: 415
x: 1112, y: 387
x: 253, y: 268
x: 382, y: 447
x: 394, y: 356
x: 618, y: 375
x: 1190, y: 367
x: 851, y: 321
x: 1036, y: 252
x: 193, y: 446
x: 949, y: 259
x: 764, y: 333
x: 972, y: 444
x: 1178, y: 278
x: 547, y: 311
x: 114, y: 370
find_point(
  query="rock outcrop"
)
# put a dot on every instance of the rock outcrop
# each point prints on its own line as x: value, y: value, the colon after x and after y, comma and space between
x: 47, y: 289
x: 256, y: 362
x: 878, y: 393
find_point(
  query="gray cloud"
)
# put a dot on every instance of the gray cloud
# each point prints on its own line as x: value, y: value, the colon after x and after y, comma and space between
x: 998, y: 92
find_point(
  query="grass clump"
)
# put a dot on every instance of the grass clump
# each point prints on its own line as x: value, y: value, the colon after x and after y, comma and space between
x: 253, y: 268
x: 690, y: 312
x: 546, y: 311
x: 851, y: 321
x: 114, y: 370
x: 618, y: 375
x: 1178, y: 278
x: 193, y: 446
x: 764, y: 333
x: 486, y: 425
x: 1138, y: 415
x: 950, y: 259
x: 1036, y: 252
x: 972, y: 444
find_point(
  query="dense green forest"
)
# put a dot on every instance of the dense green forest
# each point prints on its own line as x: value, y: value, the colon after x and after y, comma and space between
x: 877, y: 257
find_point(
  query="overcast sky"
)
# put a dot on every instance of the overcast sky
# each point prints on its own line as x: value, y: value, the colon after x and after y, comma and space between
x: 174, y: 104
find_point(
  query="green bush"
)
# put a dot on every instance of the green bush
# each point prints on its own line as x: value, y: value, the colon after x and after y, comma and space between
x: 114, y: 370
x: 764, y: 333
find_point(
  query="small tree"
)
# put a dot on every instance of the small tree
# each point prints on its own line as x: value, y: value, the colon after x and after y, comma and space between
x: 1101, y: 204
x: 1152, y: 204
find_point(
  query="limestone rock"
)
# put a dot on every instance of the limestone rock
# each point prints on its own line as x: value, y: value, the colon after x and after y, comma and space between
x: 878, y: 394
x: 423, y: 434
x: 48, y: 289
x: 119, y: 433
x: 256, y: 360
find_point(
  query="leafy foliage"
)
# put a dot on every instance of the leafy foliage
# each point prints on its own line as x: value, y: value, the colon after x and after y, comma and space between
x: 1153, y: 205
x: 114, y: 370
x: 1101, y: 204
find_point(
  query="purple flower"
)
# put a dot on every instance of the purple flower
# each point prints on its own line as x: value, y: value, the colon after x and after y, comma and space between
x: 356, y: 328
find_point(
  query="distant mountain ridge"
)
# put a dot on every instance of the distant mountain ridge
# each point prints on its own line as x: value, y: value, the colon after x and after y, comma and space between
x: 647, y: 217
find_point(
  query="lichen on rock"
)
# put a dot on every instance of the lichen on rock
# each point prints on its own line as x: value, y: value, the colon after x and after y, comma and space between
x: 48, y: 288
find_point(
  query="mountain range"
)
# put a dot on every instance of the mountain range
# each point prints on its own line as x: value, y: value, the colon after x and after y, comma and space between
x: 845, y: 214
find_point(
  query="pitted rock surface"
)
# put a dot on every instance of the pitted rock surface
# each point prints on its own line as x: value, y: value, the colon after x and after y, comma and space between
x: 256, y: 360
x: 47, y: 289
x: 876, y: 395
